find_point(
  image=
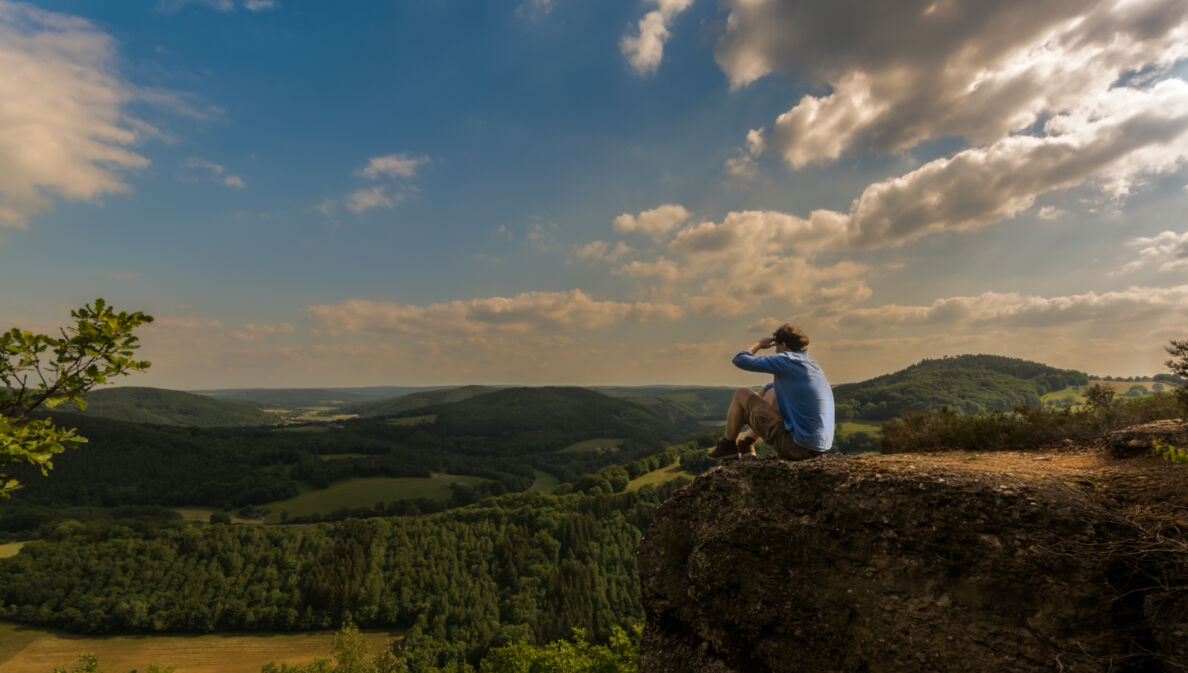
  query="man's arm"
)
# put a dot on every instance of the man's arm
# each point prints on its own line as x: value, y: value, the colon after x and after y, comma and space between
x: 747, y: 360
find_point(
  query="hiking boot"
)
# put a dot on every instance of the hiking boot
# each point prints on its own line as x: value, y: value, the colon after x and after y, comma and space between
x: 746, y: 446
x: 725, y: 449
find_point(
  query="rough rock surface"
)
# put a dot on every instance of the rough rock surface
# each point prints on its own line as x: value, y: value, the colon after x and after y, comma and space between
x: 939, y: 562
x: 1140, y: 439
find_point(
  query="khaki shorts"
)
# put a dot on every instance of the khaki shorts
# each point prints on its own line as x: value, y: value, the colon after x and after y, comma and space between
x: 767, y: 422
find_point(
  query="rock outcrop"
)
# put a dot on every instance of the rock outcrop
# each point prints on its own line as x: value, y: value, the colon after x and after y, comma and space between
x: 940, y: 562
x: 1141, y: 439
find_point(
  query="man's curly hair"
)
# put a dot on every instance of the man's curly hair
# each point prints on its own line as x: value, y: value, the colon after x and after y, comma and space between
x: 792, y: 337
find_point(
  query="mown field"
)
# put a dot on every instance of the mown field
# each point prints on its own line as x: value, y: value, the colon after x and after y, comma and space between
x: 10, y: 549
x: 365, y: 492
x: 1119, y: 388
x: 656, y: 477
x: 599, y: 445
x: 544, y: 481
x: 30, y: 650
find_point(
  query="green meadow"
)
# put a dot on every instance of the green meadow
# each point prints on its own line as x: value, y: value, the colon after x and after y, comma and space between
x: 656, y: 477
x: 599, y: 445
x: 365, y: 492
x: 544, y: 481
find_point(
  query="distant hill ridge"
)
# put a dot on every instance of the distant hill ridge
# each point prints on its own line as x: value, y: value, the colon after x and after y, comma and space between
x: 393, y: 406
x: 969, y: 383
x: 168, y: 407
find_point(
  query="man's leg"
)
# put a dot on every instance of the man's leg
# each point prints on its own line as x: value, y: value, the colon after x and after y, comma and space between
x: 751, y: 436
x: 736, y: 416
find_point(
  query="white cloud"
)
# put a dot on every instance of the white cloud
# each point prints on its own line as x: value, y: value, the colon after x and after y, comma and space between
x: 603, y: 251
x: 1050, y: 213
x: 731, y: 267
x: 1167, y: 252
x: 223, y: 6
x: 527, y: 312
x: 64, y: 109
x: 254, y: 332
x: 200, y: 170
x: 743, y: 163
x: 645, y: 49
x: 327, y: 207
x: 919, y: 69
x: 1132, y: 305
x: 1114, y: 142
x: 392, y: 166
x: 371, y: 197
x: 655, y: 222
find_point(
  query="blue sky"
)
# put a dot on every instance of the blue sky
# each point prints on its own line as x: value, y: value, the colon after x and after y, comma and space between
x: 552, y: 191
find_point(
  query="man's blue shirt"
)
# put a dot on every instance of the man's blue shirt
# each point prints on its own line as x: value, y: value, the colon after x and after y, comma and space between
x: 804, y: 396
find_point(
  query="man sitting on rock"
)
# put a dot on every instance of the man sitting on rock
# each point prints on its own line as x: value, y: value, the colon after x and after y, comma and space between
x: 799, y: 425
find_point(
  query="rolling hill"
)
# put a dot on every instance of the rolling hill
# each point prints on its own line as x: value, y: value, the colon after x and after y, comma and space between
x: 304, y: 398
x: 168, y: 407
x: 393, y: 406
x: 969, y: 383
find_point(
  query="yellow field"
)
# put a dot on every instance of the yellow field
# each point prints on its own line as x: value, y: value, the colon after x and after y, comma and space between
x: 29, y: 650
x: 658, y: 476
x: 10, y: 549
x: 1119, y: 388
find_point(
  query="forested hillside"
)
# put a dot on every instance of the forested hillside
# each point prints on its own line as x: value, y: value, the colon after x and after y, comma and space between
x: 296, y: 398
x: 969, y: 383
x: 520, y: 566
x: 169, y: 407
x: 417, y: 400
x: 503, y: 436
x: 676, y: 403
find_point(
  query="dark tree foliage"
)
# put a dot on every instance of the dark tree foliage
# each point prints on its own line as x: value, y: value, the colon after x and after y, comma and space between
x: 502, y: 436
x: 519, y: 568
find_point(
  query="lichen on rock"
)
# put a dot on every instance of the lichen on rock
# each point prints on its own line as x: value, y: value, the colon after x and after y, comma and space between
x: 939, y: 562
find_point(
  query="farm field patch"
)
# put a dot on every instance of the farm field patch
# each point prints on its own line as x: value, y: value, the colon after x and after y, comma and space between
x: 24, y: 650
x: 658, y: 477
x: 599, y: 445
x: 365, y: 492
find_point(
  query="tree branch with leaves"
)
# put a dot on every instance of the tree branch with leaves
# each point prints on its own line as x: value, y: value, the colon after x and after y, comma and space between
x: 39, y: 372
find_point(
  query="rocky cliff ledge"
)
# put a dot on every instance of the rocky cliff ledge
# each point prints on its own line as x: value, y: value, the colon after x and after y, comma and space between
x: 1071, y: 561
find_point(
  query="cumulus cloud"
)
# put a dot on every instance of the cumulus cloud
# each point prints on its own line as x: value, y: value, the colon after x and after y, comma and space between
x: 645, y: 49
x: 920, y: 69
x: 371, y: 197
x: 65, y: 109
x: 655, y: 222
x: 742, y: 163
x: 1166, y: 252
x: 392, y: 166
x: 524, y: 313
x: 253, y: 332
x: 200, y: 170
x: 603, y: 251
x: 1114, y: 144
x: 730, y: 267
x: 1134, y: 304
x: 223, y: 6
